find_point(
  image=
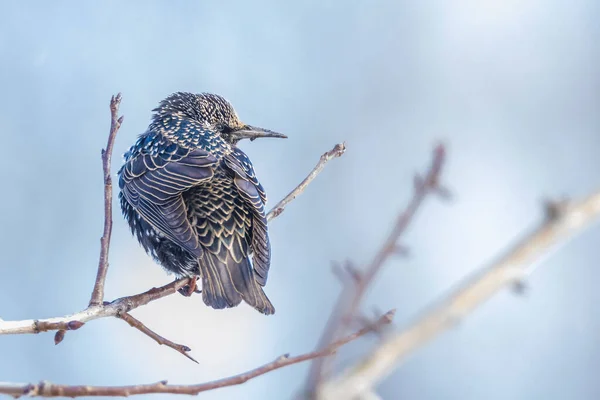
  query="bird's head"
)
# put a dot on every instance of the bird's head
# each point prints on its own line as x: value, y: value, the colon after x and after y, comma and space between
x: 216, y: 112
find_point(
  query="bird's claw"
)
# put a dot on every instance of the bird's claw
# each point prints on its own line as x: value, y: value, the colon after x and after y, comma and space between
x: 190, y: 288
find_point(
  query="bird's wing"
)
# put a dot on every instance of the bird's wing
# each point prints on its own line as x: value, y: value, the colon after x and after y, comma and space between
x: 153, y: 185
x: 255, y: 197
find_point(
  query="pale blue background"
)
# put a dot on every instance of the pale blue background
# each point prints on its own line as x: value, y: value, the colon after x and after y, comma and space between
x: 511, y: 86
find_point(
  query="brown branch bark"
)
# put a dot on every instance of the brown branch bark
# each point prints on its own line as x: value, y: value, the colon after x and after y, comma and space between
x: 115, y: 123
x: 337, y: 151
x: 563, y: 221
x: 47, y: 389
x: 137, y: 324
x: 348, y: 303
x: 112, y: 309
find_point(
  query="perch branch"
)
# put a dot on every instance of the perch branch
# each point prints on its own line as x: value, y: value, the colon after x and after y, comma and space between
x: 563, y: 221
x: 112, y: 309
x: 47, y: 389
x: 115, y: 124
x: 349, y: 301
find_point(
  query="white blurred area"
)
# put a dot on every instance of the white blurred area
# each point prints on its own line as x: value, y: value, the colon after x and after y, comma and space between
x: 510, y: 86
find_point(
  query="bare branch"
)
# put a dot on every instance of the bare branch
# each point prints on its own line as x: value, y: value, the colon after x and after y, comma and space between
x: 113, y: 309
x: 137, y: 324
x: 115, y: 124
x: 563, y: 221
x: 47, y: 389
x: 337, y: 151
x: 349, y: 301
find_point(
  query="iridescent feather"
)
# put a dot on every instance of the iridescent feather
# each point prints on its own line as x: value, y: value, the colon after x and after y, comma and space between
x: 192, y: 199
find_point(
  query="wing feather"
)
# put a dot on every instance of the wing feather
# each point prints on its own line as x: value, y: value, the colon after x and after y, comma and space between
x: 154, y: 186
x: 255, y: 197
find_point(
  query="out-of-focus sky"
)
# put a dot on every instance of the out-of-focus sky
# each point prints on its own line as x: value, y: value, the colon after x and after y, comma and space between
x: 511, y: 86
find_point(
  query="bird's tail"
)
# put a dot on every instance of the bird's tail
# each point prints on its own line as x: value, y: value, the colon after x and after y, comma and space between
x: 226, y: 284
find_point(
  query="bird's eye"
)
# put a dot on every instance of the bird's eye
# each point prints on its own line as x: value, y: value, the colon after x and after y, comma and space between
x: 224, y: 128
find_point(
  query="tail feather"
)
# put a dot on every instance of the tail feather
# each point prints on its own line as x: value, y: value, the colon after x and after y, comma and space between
x: 226, y: 284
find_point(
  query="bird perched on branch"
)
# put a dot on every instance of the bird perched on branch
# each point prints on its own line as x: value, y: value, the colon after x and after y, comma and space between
x: 193, y: 201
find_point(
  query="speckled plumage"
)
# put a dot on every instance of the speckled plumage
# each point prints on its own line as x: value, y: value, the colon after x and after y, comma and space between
x: 193, y: 201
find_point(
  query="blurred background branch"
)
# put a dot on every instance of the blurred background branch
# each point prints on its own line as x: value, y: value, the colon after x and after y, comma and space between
x: 356, y: 282
x: 563, y: 220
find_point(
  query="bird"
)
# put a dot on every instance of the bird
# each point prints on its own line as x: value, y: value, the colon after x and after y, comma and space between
x: 191, y: 197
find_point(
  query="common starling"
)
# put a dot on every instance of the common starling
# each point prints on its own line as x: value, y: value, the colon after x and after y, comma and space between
x: 193, y: 201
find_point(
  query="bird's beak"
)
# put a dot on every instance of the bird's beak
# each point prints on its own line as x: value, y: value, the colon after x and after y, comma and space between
x: 253, y: 132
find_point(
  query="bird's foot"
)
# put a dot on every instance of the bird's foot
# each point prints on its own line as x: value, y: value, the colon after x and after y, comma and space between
x: 190, y: 288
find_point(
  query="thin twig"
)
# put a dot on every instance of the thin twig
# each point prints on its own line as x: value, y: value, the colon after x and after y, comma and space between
x: 47, y: 389
x: 349, y: 301
x: 115, y: 124
x: 337, y: 151
x: 563, y: 222
x: 137, y: 324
